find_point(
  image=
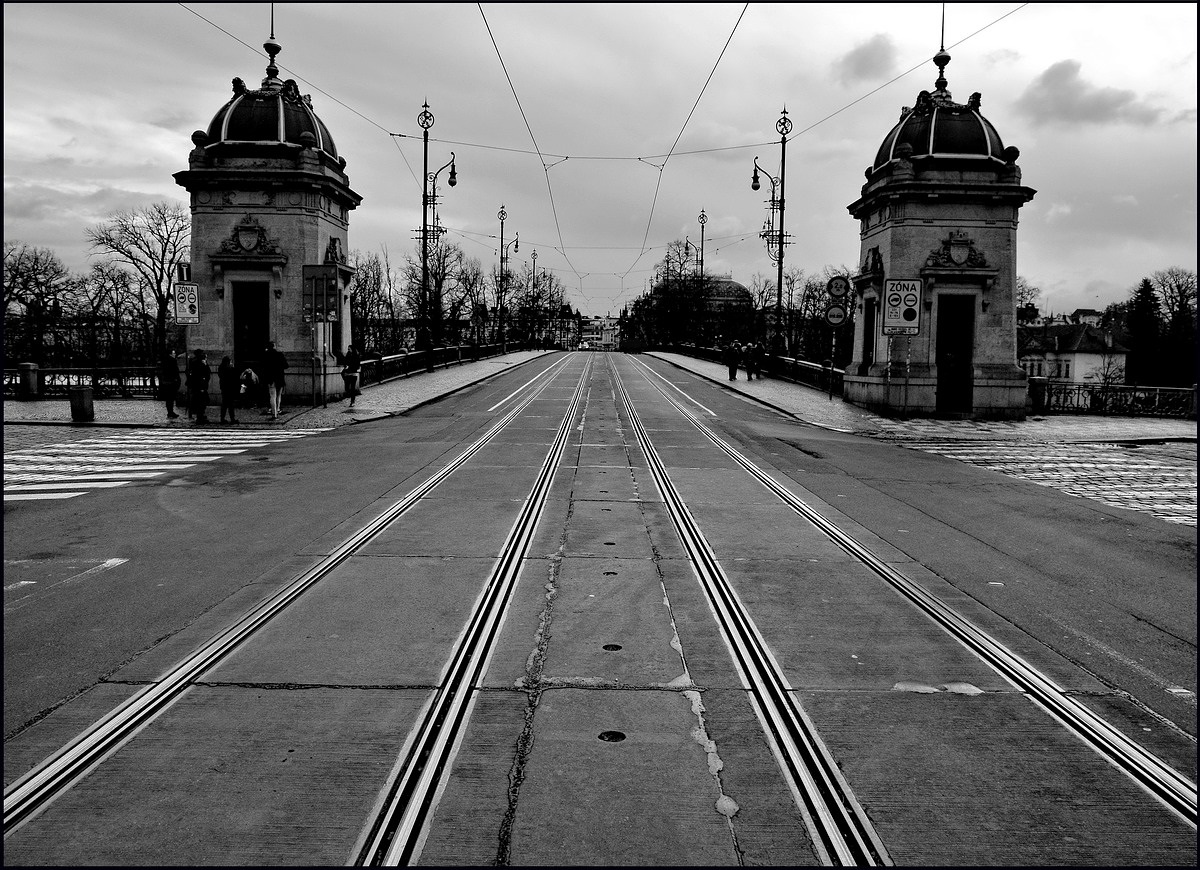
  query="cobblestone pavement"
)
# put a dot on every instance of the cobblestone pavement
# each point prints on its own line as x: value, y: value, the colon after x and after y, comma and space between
x: 1136, y: 463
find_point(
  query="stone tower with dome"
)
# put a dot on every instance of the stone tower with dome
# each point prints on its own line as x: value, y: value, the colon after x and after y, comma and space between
x: 270, y: 205
x: 935, y: 331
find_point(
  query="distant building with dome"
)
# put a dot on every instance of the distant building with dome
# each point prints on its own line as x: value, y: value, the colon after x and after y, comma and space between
x: 935, y: 291
x: 270, y: 205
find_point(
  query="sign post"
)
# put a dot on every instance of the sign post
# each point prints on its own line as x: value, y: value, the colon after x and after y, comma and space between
x: 835, y: 315
x: 187, y: 304
x: 902, y: 306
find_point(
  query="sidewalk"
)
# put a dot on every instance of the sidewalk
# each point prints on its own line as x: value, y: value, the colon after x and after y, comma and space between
x: 377, y: 401
x: 807, y: 404
x: 816, y: 408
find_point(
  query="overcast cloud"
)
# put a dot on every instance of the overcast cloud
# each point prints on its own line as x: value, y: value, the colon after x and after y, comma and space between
x: 584, y: 121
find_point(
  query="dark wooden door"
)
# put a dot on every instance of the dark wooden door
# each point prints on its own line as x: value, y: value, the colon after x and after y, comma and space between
x: 955, y: 354
x: 251, y: 322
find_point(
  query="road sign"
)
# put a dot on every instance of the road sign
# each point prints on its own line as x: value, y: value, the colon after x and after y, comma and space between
x: 902, y: 306
x: 835, y: 315
x: 838, y: 286
x: 187, y: 303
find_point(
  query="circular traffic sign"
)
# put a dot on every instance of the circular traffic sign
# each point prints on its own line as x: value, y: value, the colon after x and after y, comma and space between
x: 910, y: 299
x: 838, y: 286
x: 894, y: 299
x: 835, y: 315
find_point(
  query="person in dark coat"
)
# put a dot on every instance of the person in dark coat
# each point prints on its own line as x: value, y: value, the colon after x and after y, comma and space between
x: 351, y: 365
x: 199, y: 374
x: 753, y: 355
x: 230, y: 383
x: 733, y: 355
x: 168, y: 382
x: 273, y: 364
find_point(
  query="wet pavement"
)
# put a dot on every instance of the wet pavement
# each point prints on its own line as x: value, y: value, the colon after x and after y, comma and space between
x: 1145, y: 464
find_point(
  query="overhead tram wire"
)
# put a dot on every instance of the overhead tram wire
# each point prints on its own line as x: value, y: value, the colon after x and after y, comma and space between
x: 311, y: 85
x: 545, y: 169
x: 562, y: 157
x: 658, y: 184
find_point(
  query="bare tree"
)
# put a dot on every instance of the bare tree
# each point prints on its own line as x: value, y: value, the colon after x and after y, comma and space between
x: 1026, y: 293
x: 151, y: 241
x: 1176, y: 290
x: 35, y: 285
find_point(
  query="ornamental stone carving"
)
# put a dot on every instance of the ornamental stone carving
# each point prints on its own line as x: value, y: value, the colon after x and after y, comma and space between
x: 249, y: 238
x: 957, y: 252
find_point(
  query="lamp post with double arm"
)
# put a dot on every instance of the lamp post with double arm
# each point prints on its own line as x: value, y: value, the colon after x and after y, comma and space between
x: 502, y: 283
x: 783, y: 126
x: 424, y: 337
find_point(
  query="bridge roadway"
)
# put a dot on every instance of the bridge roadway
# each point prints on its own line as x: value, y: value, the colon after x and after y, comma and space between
x: 559, y: 616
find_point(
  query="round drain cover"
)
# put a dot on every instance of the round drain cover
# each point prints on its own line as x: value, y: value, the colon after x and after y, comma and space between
x: 611, y: 736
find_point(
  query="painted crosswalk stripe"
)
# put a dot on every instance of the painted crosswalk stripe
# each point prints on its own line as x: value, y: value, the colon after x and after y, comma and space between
x: 106, y: 462
x: 40, y: 496
x: 95, y: 484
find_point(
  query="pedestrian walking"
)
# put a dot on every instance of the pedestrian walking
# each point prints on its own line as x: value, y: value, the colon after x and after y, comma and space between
x: 733, y: 356
x: 753, y: 354
x: 230, y: 383
x: 169, y: 382
x: 199, y: 374
x: 273, y: 365
x: 351, y: 366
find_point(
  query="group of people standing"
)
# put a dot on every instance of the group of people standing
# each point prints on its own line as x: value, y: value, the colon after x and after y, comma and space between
x: 748, y: 355
x: 233, y: 385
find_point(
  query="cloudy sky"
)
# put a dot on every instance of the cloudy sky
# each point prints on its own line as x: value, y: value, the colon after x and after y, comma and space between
x: 604, y: 129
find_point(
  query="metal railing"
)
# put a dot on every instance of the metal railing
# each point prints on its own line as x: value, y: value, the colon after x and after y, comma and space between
x: 131, y: 382
x: 785, y: 368
x: 142, y: 382
x: 401, y: 365
x: 1058, y: 397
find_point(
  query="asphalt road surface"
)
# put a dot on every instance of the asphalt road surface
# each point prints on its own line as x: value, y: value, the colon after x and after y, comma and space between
x: 594, y: 611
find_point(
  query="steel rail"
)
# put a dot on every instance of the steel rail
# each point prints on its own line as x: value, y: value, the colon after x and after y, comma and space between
x: 841, y: 832
x: 1167, y: 785
x: 397, y: 830
x: 33, y: 791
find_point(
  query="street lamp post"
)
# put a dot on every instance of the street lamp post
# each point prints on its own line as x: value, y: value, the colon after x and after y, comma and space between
x: 425, y: 120
x: 503, y: 215
x: 703, y: 218
x: 783, y: 126
x: 536, y: 297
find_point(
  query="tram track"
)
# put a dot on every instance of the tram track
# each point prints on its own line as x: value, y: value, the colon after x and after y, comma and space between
x: 28, y: 795
x: 1170, y: 788
x: 396, y: 832
x: 841, y: 832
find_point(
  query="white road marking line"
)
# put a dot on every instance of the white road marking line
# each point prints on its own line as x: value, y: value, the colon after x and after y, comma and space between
x: 40, y: 496
x: 94, y: 484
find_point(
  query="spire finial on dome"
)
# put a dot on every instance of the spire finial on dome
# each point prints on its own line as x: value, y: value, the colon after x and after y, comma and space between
x: 942, y: 57
x: 272, y: 48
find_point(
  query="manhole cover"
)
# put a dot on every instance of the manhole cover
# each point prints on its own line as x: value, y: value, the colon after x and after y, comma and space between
x: 611, y: 736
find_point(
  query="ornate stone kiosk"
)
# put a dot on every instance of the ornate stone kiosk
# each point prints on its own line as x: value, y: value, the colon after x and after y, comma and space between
x: 270, y: 203
x: 935, y: 332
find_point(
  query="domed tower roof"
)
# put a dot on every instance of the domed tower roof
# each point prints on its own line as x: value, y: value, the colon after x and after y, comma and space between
x: 274, y: 114
x: 938, y: 127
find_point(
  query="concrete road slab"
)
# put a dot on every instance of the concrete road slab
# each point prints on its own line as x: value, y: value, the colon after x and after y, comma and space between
x: 610, y: 626
x: 619, y: 777
x: 472, y: 824
x: 232, y: 775
x: 1001, y: 765
x: 769, y: 827
x: 374, y: 621
x: 27, y: 748
x: 448, y: 527
x: 607, y: 528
